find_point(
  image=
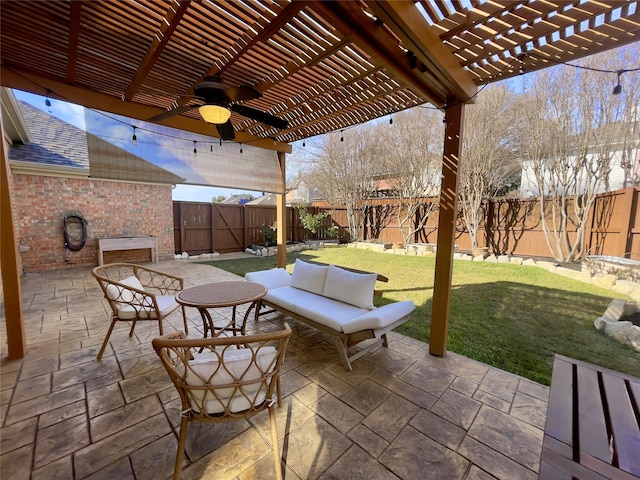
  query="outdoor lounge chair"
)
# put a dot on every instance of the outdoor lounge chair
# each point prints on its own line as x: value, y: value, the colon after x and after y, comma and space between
x: 138, y: 293
x: 231, y: 379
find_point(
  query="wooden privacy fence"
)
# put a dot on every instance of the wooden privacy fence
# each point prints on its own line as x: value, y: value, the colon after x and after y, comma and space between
x: 208, y: 227
x: 510, y: 226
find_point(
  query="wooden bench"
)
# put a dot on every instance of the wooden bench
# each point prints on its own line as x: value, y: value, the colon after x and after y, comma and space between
x: 592, y: 430
x: 127, y: 243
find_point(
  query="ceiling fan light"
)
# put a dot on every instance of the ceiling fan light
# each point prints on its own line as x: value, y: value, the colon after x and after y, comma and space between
x: 215, y: 114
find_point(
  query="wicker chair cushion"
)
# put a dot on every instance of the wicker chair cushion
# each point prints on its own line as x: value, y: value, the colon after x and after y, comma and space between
x: 349, y: 287
x: 116, y: 292
x: 166, y: 304
x: 237, y: 364
x: 309, y: 277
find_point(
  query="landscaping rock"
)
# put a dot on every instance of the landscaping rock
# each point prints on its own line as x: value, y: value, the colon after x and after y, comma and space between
x: 624, y: 332
x: 491, y: 259
x: 546, y: 265
x: 605, y: 281
x: 516, y: 261
x: 503, y: 258
x: 185, y: 255
x: 529, y: 262
x: 478, y: 258
x: 466, y: 257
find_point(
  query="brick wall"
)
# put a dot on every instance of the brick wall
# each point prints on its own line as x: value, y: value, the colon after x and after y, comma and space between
x: 111, y: 209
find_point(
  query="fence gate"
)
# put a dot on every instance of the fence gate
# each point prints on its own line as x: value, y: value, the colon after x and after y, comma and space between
x: 228, y: 228
x: 192, y: 227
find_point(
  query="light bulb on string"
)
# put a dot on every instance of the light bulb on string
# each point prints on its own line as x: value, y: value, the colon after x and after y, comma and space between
x: 221, y: 142
x: 390, y: 120
x: 195, y: 149
x: 47, y: 102
x: 341, y: 136
x: 134, y: 138
x: 240, y: 148
x: 304, y: 144
x: 211, y: 147
x: 617, y: 90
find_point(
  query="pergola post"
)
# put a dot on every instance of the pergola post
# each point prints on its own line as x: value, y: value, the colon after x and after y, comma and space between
x: 11, y: 284
x: 447, y: 218
x: 281, y: 214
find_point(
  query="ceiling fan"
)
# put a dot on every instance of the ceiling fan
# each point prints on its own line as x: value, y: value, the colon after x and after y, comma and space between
x: 219, y: 101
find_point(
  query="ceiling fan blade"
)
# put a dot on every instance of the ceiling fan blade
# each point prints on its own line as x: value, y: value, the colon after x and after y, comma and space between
x: 171, y: 113
x: 226, y: 130
x: 242, y: 93
x: 260, y: 116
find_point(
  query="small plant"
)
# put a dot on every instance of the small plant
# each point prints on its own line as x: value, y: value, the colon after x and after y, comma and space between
x: 332, y: 231
x: 310, y: 221
x: 269, y: 234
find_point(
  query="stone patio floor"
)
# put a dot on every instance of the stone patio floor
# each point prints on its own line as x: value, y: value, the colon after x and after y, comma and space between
x: 400, y: 414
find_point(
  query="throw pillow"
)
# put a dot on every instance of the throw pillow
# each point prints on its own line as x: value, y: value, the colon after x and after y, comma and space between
x: 309, y: 277
x: 350, y: 287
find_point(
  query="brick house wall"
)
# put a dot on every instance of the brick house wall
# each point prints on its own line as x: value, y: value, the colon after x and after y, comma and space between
x: 111, y: 209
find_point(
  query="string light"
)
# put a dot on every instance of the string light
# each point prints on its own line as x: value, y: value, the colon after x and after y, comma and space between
x: 195, y: 149
x: 211, y: 147
x: 341, y: 136
x: 47, y: 102
x: 304, y: 144
x: 220, y: 142
x: 617, y: 90
x: 390, y: 120
x: 240, y: 148
x: 134, y: 138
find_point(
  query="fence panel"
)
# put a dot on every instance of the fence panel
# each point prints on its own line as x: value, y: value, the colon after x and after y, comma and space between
x: 512, y: 226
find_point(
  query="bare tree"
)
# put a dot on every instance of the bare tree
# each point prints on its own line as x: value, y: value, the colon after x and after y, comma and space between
x: 569, y: 148
x: 487, y: 160
x: 344, y: 169
x: 411, y: 151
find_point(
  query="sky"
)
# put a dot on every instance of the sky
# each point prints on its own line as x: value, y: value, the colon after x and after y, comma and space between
x: 75, y: 115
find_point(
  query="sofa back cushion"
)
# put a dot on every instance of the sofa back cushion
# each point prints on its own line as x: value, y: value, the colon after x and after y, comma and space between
x: 309, y: 277
x: 350, y: 287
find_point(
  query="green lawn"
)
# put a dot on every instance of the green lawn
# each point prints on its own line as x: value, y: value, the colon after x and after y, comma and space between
x: 512, y: 317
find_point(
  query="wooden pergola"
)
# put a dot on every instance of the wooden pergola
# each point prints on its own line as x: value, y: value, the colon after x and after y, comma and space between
x: 320, y: 65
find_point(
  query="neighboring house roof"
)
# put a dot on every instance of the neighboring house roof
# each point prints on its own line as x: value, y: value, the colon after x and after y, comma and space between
x: 56, y: 144
x: 238, y: 199
x: 53, y: 141
x: 268, y: 199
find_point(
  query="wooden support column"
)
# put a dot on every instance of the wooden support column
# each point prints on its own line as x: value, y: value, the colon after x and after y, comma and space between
x: 281, y: 214
x: 446, y: 230
x: 11, y: 284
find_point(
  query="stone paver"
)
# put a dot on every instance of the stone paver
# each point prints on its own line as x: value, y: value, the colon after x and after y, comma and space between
x: 400, y: 414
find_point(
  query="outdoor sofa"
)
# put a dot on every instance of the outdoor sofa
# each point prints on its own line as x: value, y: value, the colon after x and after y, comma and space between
x: 334, y: 300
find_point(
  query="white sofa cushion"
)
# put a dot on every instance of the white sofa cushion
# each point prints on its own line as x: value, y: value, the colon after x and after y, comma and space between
x: 237, y: 363
x: 350, y: 287
x: 379, y: 318
x: 323, y: 310
x: 278, y: 277
x: 309, y: 277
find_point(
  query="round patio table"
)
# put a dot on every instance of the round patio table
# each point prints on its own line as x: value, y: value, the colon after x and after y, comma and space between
x: 223, y: 295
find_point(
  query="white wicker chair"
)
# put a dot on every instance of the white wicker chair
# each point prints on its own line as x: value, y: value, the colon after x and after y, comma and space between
x: 138, y: 293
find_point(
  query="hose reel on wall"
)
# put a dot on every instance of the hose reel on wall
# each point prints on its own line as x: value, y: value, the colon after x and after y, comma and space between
x: 75, y: 232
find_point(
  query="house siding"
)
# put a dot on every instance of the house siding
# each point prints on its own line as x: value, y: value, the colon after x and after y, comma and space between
x: 111, y: 209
